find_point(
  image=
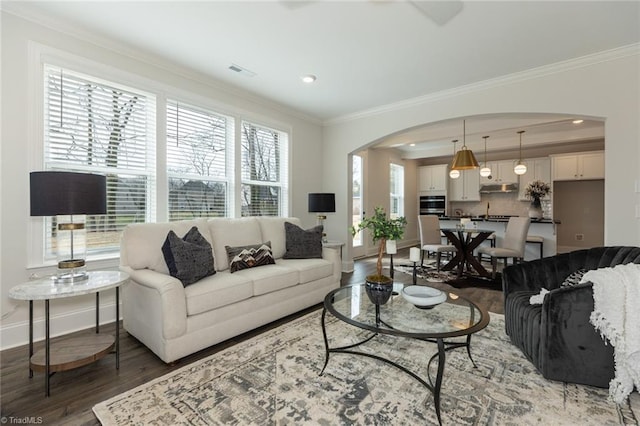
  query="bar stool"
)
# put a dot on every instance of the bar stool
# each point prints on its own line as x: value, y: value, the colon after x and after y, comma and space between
x: 536, y: 239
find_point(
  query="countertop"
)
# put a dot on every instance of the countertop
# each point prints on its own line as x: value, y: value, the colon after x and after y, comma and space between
x: 496, y: 219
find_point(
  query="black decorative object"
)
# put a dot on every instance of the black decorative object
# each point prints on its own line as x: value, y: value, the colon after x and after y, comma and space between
x: 379, y: 293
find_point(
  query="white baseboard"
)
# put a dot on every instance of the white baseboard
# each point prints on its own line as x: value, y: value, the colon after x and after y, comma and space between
x: 17, y: 334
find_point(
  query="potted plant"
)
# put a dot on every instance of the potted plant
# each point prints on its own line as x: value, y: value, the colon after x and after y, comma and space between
x: 382, y: 229
x: 535, y: 191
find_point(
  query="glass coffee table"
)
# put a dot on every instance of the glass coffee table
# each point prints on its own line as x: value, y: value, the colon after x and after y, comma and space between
x: 456, y: 317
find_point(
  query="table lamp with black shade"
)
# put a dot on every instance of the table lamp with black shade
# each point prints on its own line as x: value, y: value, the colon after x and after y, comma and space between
x: 322, y: 202
x: 69, y: 196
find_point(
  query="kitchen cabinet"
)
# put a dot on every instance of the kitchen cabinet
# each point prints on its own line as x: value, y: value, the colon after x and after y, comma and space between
x: 432, y: 178
x: 537, y: 169
x: 501, y: 173
x: 466, y: 187
x: 582, y: 166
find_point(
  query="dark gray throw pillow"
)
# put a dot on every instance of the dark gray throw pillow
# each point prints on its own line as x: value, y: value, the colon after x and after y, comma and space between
x: 244, y: 257
x: 302, y: 244
x: 189, y: 259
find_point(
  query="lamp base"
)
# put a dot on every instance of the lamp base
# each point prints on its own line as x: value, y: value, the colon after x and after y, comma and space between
x: 71, y: 271
x: 71, y: 277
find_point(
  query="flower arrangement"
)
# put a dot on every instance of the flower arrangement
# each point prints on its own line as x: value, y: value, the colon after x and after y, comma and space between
x: 537, y: 190
x: 382, y: 229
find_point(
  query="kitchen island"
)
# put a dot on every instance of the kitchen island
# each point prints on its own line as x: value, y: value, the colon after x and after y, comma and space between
x: 545, y: 228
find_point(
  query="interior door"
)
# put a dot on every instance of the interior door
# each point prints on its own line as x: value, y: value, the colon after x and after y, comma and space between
x: 358, y: 247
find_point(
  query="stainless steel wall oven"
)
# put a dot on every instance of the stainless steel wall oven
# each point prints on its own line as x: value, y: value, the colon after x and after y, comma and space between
x: 433, y: 204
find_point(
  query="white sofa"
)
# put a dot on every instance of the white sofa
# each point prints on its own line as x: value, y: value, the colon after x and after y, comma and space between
x: 174, y: 321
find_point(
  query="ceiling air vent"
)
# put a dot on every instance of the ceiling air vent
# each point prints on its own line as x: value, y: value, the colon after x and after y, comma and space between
x: 240, y: 70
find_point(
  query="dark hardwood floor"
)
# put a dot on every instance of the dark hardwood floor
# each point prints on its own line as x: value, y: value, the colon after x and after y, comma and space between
x: 75, y: 392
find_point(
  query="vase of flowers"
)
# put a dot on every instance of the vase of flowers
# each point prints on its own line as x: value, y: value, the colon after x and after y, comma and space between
x: 535, y: 191
x: 379, y: 287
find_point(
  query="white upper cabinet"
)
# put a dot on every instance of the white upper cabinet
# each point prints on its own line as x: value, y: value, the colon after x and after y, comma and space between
x: 432, y: 178
x: 583, y: 166
x: 466, y: 187
x: 537, y: 169
x: 501, y: 172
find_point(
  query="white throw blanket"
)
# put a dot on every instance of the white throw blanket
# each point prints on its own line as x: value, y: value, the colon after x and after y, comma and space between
x: 616, y: 315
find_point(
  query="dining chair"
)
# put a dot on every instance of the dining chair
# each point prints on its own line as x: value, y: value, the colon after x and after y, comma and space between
x: 515, y: 238
x: 431, y: 239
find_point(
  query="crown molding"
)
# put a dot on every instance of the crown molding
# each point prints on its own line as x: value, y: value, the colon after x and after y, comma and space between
x: 27, y: 12
x: 530, y: 74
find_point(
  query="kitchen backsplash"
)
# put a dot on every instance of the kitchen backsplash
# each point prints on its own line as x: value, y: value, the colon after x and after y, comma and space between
x: 499, y: 204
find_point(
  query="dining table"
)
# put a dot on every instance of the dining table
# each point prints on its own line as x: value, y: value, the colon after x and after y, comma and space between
x: 466, y: 240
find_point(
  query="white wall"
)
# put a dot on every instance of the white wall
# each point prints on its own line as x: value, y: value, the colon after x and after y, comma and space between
x: 376, y: 191
x: 17, y: 37
x: 603, y: 86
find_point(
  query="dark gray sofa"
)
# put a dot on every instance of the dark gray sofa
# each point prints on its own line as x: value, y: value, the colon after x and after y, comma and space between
x: 556, y: 336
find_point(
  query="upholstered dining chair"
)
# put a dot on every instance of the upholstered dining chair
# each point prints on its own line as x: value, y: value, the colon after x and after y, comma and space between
x: 515, y: 238
x: 431, y: 238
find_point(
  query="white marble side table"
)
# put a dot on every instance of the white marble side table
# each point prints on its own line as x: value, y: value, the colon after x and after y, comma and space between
x: 75, y: 352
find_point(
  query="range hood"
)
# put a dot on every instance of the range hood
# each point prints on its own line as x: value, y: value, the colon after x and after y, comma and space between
x: 495, y: 187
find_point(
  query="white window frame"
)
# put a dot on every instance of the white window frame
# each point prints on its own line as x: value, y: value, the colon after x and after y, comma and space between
x: 396, y: 193
x: 283, y: 182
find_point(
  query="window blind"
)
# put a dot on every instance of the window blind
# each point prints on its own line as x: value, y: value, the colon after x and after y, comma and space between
x: 264, y: 173
x: 198, y: 148
x: 100, y: 127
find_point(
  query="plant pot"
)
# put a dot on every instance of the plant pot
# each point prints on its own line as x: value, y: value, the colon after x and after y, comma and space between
x: 379, y: 289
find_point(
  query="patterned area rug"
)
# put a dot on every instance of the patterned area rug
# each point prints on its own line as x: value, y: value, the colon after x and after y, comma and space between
x: 273, y: 379
x: 430, y: 273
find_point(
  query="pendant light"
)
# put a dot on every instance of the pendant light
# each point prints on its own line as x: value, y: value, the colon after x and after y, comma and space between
x: 464, y: 159
x: 520, y: 168
x: 485, y: 171
x: 454, y: 174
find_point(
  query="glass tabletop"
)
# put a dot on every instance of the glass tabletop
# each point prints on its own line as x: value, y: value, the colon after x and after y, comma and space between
x: 456, y: 316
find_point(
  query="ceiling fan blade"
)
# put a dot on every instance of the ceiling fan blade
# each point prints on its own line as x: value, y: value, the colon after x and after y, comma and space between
x: 439, y: 12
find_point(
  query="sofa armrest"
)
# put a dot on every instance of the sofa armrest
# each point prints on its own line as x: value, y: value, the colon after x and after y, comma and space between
x: 333, y: 255
x: 530, y: 276
x: 154, y: 301
x: 570, y: 347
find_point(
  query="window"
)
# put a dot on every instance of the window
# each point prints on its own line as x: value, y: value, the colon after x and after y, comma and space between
x: 198, y: 170
x: 396, y: 191
x: 100, y: 127
x: 264, y: 189
x: 356, y: 215
x: 208, y: 168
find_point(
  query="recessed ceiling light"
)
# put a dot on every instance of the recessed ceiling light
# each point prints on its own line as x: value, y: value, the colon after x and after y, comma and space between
x: 412, y: 144
x: 310, y: 78
x: 577, y: 121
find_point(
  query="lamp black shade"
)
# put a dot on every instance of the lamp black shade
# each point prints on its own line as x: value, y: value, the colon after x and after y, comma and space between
x: 322, y: 202
x: 65, y: 193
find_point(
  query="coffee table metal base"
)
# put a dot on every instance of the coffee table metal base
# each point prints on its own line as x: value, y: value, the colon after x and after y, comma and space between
x: 443, y: 347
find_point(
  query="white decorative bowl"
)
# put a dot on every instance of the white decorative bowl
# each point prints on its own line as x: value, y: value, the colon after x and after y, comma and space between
x: 423, y: 297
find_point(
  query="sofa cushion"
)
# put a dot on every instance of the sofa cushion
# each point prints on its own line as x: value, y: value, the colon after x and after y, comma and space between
x: 270, y: 278
x: 216, y: 291
x: 308, y: 269
x: 301, y: 243
x: 233, y: 233
x: 245, y: 257
x: 272, y: 229
x: 142, y: 242
x: 189, y: 259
